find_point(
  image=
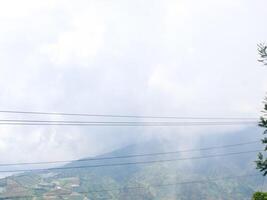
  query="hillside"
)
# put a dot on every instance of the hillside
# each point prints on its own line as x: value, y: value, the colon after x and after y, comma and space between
x: 185, y: 179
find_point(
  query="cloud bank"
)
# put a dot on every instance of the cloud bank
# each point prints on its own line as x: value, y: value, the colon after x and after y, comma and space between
x: 181, y: 58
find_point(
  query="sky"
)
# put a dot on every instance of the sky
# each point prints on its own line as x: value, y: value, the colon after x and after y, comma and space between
x: 153, y: 57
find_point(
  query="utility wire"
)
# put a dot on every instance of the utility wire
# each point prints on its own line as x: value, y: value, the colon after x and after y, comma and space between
x: 131, y: 124
x: 129, y: 163
x: 116, y: 116
x: 133, y: 155
x: 139, y: 187
x: 117, y: 122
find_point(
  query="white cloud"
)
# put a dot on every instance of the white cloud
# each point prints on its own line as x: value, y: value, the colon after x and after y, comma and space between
x: 80, y: 44
x: 145, y: 57
x: 15, y: 9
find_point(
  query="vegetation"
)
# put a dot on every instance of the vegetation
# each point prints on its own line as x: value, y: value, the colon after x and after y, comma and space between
x: 260, y: 196
x: 144, y: 182
x: 262, y: 160
x: 262, y: 49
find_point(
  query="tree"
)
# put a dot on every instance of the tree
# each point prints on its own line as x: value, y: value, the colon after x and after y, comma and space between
x: 259, y: 196
x: 262, y: 160
x: 262, y: 49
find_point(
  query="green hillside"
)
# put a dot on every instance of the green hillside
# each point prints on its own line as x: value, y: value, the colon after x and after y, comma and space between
x: 194, y: 179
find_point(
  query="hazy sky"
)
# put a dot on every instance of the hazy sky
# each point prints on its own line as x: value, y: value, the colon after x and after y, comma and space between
x: 153, y: 57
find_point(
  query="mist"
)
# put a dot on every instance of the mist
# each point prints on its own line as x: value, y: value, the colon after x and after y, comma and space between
x: 163, y: 58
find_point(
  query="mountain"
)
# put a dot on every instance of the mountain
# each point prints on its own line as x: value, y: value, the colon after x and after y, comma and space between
x: 194, y: 178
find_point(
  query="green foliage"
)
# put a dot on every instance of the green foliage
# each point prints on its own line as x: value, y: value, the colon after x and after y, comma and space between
x: 262, y: 49
x: 262, y: 160
x: 260, y: 196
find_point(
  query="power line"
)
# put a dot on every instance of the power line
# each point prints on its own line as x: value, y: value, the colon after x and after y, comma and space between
x: 139, y: 187
x: 117, y: 122
x: 130, y: 163
x: 116, y: 116
x: 133, y: 155
x: 130, y: 124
